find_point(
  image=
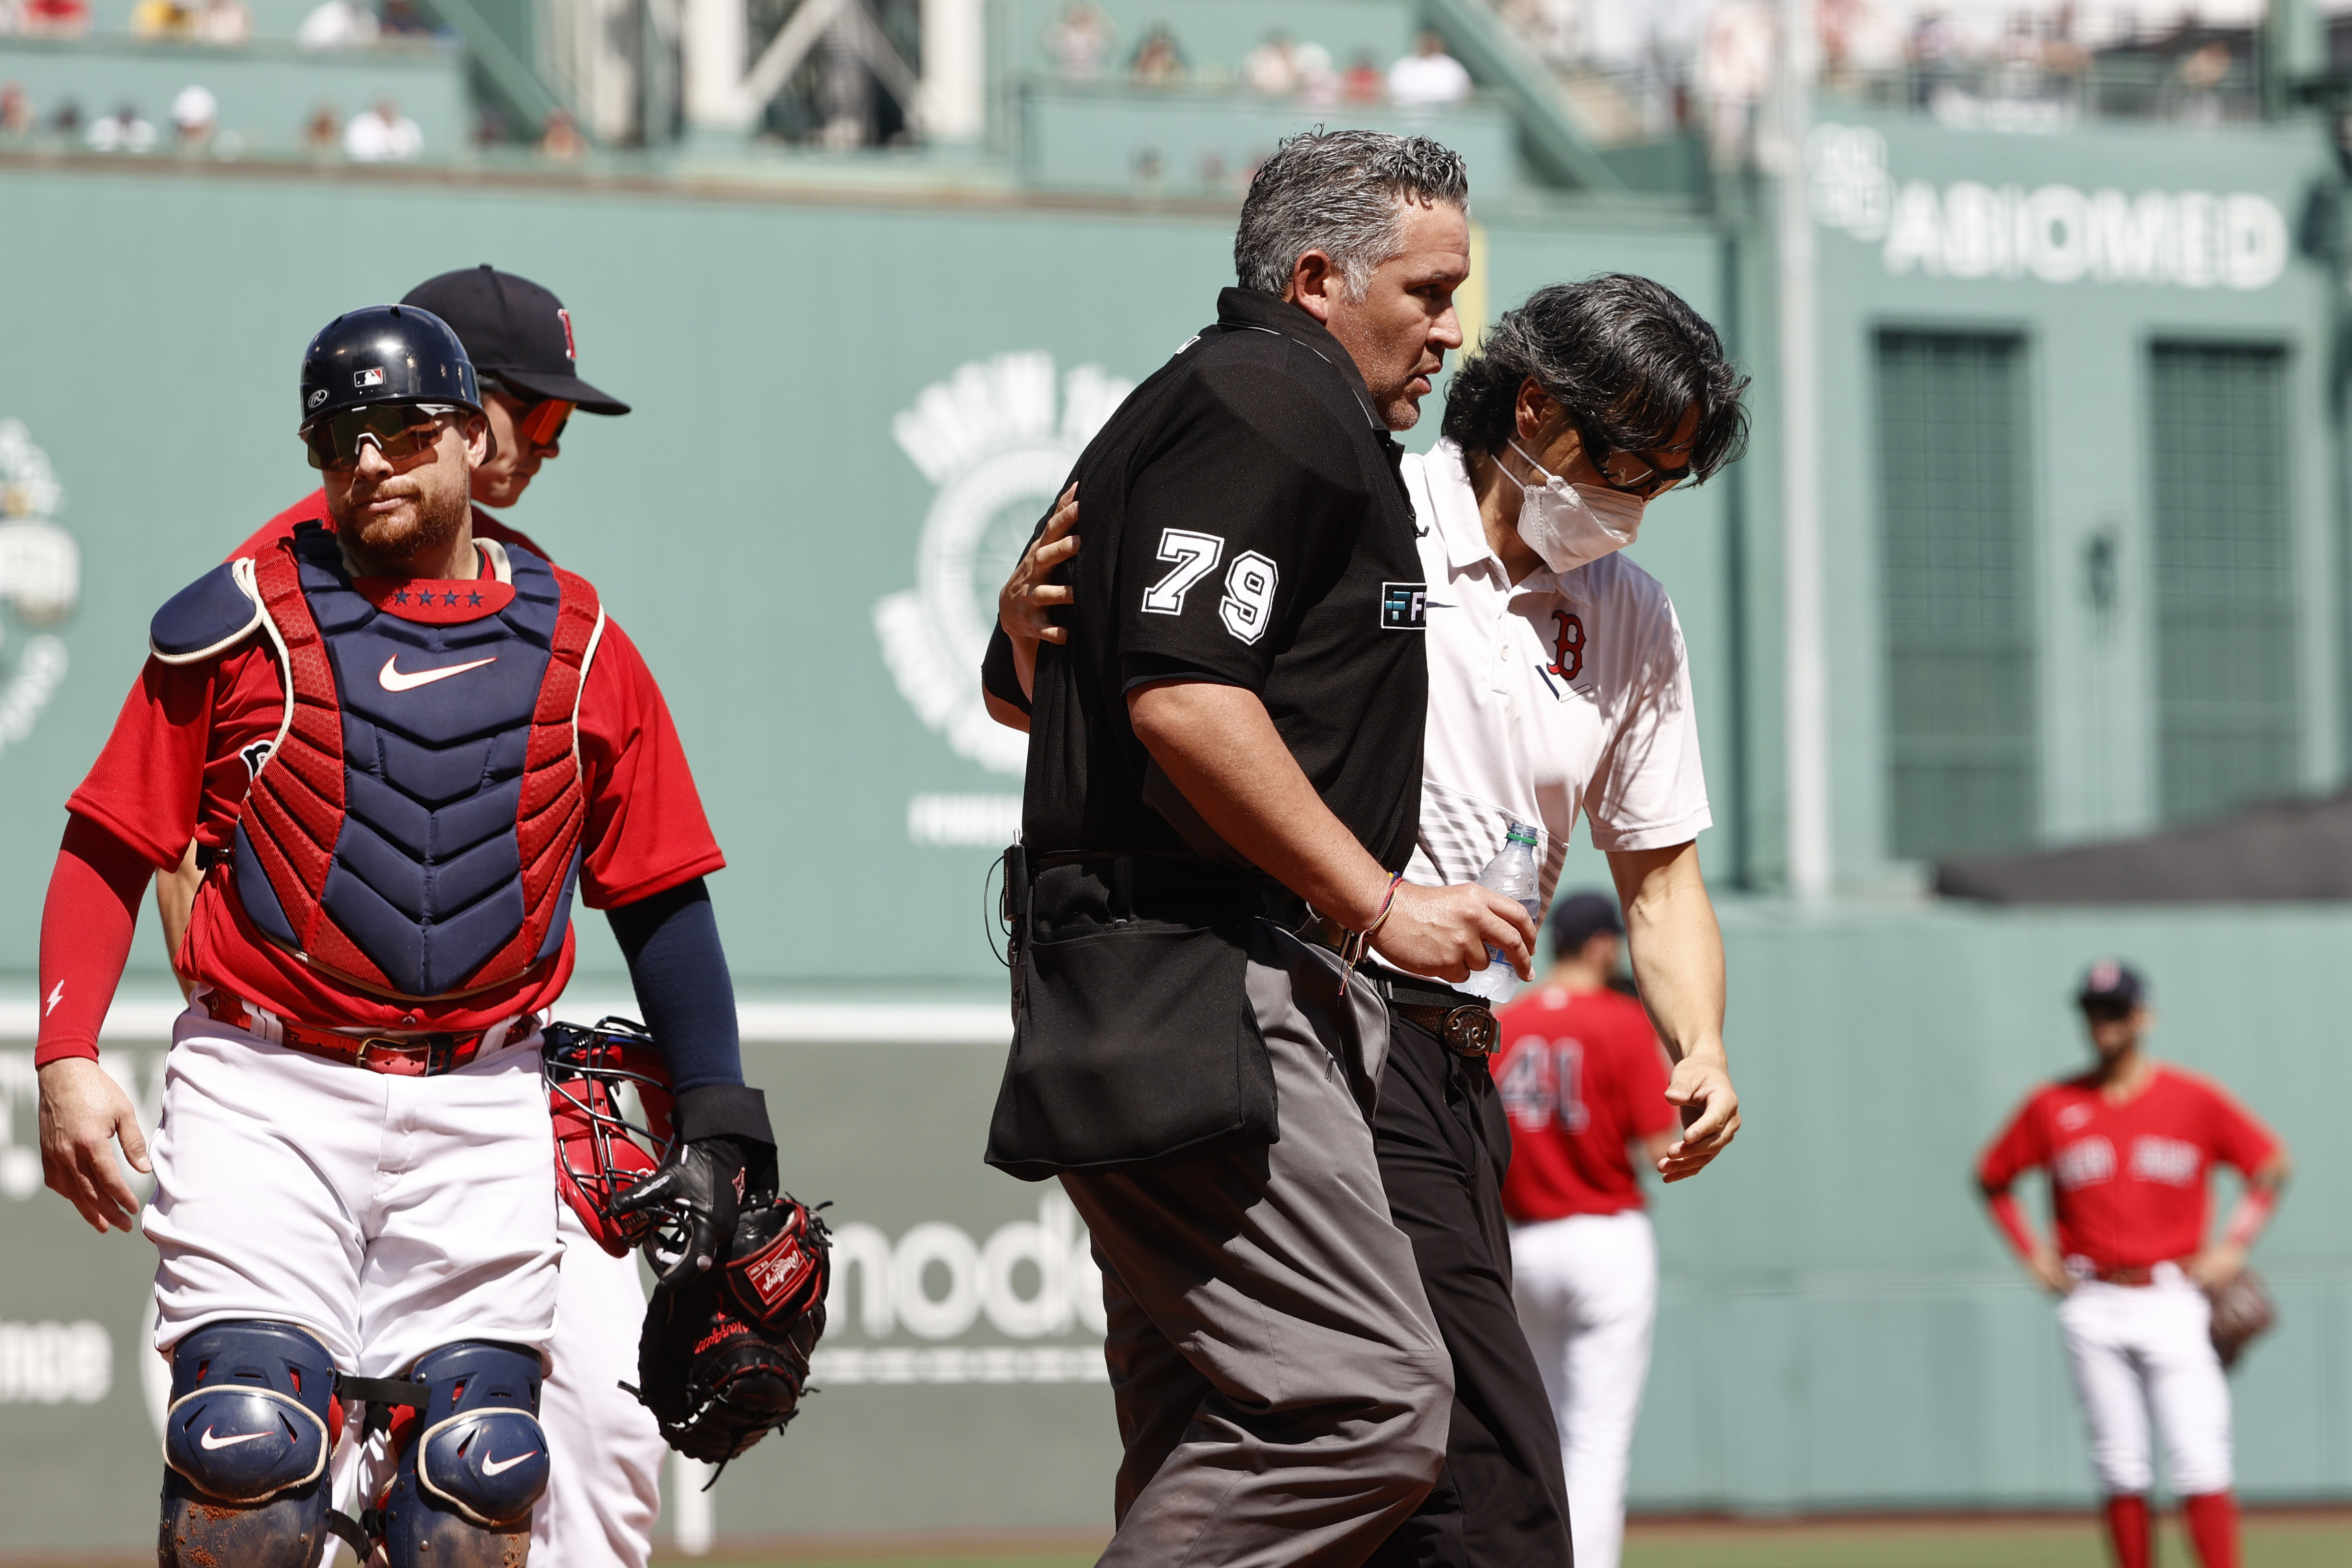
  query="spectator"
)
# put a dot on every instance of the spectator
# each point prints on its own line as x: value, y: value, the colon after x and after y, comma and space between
x: 1318, y: 82
x: 55, y: 19
x: 64, y: 120
x: 322, y: 134
x: 195, y: 115
x: 9, y: 22
x: 382, y: 135
x: 16, y: 112
x: 1735, y: 67
x: 160, y: 20
x: 223, y: 22
x: 1428, y: 78
x: 560, y: 139
x: 1363, y: 82
x: 1157, y: 61
x: 1079, y: 41
x: 122, y: 131
x: 337, y: 25
x: 1271, y: 69
x: 401, y: 19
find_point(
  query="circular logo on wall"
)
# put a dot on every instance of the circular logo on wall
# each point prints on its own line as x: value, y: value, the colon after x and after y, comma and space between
x: 996, y: 438
x: 40, y: 583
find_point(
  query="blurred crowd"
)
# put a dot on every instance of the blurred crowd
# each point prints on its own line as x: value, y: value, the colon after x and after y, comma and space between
x: 333, y: 24
x: 1084, y: 46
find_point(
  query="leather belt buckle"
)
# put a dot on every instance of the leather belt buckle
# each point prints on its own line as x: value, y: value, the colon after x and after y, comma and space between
x: 407, y: 1058
x: 1471, y: 1031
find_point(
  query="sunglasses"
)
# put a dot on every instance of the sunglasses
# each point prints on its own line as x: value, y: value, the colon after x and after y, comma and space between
x: 400, y: 431
x: 542, y: 424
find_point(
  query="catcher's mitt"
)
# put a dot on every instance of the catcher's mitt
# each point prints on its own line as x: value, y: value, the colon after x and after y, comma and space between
x: 2242, y: 1308
x: 724, y: 1358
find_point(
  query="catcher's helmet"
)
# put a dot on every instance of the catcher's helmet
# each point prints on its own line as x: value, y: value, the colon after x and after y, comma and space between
x: 600, y: 1151
x: 385, y: 354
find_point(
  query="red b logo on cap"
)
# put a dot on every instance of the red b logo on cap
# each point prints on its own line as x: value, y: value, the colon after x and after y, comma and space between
x: 569, y: 352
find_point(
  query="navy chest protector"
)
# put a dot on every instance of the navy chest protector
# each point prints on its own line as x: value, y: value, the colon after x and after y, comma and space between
x: 415, y: 828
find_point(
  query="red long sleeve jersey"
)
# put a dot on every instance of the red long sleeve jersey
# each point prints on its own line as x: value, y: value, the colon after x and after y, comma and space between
x: 2129, y: 1182
x: 176, y: 769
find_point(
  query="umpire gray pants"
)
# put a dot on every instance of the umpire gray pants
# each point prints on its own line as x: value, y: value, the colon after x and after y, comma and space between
x: 1282, y: 1389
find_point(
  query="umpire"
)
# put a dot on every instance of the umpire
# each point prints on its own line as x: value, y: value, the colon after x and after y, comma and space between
x: 1231, y: 737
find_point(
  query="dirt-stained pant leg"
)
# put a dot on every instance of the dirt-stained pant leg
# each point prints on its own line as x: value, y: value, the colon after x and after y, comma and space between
x: 1310, y: 1412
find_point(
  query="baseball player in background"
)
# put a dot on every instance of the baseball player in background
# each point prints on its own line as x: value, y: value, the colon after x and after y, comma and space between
x: 1584, y: 1081
x: 2130, y: 1146
x: 604, y: 1488
x: 403, y: 751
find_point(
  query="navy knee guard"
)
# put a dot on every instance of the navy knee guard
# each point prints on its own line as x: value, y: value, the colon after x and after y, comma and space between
x: 245, y: 1445
x: 471, y: 1463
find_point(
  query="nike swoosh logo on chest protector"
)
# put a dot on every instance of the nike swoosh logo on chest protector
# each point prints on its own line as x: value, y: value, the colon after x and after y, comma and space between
x: 393, y: 679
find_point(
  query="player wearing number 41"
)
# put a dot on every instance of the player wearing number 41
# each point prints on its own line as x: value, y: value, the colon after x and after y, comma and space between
x: 403, y: 750
x: 2130, y: 1146
x: 1558, y: 687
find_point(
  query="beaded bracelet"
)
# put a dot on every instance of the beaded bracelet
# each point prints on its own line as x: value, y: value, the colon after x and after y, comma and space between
x: 1359, y: 945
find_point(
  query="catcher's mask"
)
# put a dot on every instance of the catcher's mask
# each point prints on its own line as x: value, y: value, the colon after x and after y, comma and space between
x: 594, y: 1073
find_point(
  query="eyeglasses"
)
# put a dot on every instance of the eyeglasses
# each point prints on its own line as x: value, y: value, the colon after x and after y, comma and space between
x: 400, y: 431
x: 1632, y: 473
x: 542, y: 424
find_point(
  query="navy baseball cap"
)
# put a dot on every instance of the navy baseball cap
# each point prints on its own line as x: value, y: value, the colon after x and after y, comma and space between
x: 517, y: 332
x: 2111, y: 982
x: 1578, y: 918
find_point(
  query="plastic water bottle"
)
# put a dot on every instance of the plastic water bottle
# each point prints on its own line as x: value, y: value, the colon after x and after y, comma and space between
x: 1512, y: 874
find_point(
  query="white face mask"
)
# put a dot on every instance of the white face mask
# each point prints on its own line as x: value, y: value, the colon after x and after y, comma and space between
x: 1570, y: 525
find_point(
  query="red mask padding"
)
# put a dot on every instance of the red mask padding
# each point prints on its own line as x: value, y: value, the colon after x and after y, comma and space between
x: 600, y: 1154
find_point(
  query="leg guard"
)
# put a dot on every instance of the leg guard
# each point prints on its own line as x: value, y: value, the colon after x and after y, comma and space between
x: 245, y: 1445
x: 471, y: 1463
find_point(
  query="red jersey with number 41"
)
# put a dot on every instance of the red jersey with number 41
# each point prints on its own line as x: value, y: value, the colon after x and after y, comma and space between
x: 1581, y: 1074
x: 2128, y: 1182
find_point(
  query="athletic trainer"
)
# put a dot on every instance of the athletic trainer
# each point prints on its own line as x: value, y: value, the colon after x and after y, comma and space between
x: 1230, y: 737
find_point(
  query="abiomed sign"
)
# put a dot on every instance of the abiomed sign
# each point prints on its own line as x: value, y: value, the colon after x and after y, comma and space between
x: 2054, y: 233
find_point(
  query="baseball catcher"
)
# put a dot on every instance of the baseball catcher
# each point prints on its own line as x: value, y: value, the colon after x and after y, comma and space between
x: 724, y: 1357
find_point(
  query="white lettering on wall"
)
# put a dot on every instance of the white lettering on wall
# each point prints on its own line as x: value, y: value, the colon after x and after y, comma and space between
x: 50, y: 1364
x: 2056, y: 234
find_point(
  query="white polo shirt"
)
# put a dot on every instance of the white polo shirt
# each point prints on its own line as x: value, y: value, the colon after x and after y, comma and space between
x: 1568, y: 692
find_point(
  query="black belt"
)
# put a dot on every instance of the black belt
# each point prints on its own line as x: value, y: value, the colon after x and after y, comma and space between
x: 1465, y: 1024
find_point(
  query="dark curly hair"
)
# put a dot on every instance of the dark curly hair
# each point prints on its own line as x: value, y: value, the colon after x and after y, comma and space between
x: 1625, y: 356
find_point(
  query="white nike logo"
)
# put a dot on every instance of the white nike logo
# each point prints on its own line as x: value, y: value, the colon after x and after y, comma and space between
x: 501, y: 1466
x: 391, y: 679
x: 209, y: 1441
x: 55, y: 997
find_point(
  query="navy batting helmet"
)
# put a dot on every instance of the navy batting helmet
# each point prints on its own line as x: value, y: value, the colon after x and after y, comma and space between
x: 385, y: 354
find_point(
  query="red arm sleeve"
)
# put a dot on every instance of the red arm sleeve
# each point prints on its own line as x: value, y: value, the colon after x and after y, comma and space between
x: 86, y: 927
x: 2011, y: 1220
x: 647, y: 831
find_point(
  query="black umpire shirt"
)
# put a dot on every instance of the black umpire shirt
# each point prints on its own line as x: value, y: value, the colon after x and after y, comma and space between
x: 1242, y: 520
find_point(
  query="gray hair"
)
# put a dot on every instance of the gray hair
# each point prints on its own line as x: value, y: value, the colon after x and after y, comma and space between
x: 1341, y: 193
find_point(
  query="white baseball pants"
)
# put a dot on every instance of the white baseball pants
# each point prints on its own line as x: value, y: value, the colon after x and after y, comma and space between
x: 2134, y: 1347
x: 1587, y: 1288
x: 605, y: 1448
x: 386, y: 1215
